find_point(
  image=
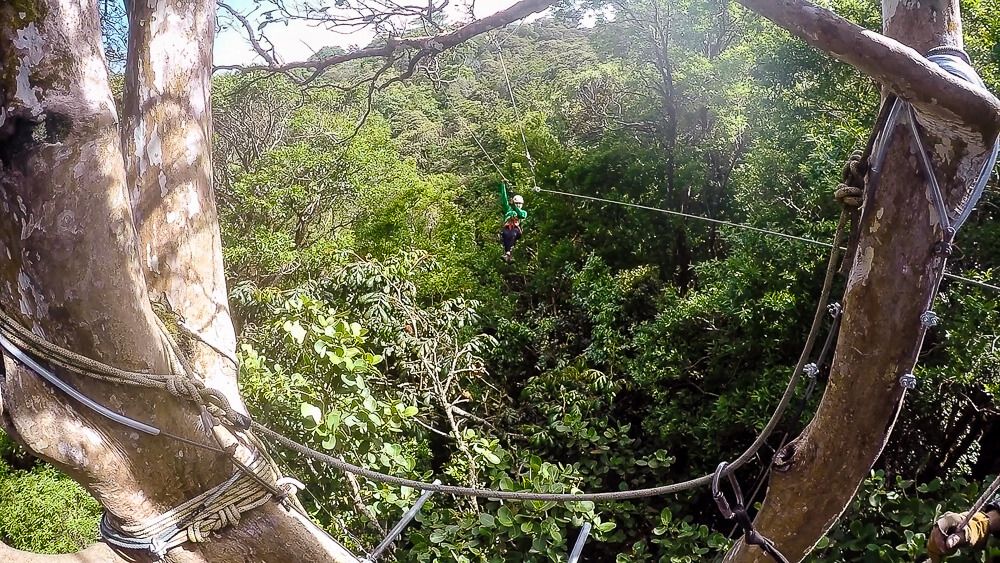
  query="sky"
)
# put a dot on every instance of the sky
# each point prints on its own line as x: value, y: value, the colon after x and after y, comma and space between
x: 299, y: 40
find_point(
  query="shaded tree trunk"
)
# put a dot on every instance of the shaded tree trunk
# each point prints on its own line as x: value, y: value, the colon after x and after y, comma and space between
x: 895, y: 270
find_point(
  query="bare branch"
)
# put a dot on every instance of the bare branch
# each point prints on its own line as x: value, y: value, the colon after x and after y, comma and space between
x: 428, y: 43
x: 251, y: 35
x: 901, y: 69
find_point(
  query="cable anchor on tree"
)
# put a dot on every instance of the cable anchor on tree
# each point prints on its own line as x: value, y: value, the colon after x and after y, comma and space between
x: 738, y: 512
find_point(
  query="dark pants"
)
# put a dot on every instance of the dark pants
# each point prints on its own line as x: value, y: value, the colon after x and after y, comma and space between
x: 509, y: 235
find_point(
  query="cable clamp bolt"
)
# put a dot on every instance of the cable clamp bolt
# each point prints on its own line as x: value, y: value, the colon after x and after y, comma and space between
x: 834, y: 309
x: 929, y: 319
x: 908, y: 381
x: 811, y: 370
x: 944, y: 248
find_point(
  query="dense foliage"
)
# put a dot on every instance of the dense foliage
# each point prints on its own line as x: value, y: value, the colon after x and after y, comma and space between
x: 622, y: 347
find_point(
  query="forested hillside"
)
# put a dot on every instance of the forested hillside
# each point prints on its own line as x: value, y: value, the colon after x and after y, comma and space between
x: 621, y: 347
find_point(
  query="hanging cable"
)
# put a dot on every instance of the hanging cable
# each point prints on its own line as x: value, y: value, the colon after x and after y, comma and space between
x: 737, y: 511
x: 485, y: 152
x: 517, y: 117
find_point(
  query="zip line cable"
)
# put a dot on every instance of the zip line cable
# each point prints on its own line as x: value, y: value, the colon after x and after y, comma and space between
x: 691, y: 216
x: 485, y: 152
x: 744, y: 227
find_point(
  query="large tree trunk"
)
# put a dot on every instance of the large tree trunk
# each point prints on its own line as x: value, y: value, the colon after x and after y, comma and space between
x: 97, y: 221
x: 72, y: 268
x: 166, y: 138
x: 895, y: 273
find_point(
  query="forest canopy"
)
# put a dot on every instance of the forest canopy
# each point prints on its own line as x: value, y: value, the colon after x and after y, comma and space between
x: 620, y: 347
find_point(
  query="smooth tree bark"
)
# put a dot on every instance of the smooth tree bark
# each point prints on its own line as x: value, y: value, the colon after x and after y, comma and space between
x: 72, y: 270
x: 100, y: 220
x: 895, y: 270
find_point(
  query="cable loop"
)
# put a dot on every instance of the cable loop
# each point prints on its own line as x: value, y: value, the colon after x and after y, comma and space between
x: 835, y: 309
x: 929, y: 319
x: 849, y: 196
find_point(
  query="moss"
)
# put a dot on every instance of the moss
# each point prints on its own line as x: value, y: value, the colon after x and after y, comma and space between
x: 44, y: 511
x: 33, y: 10
x: 172, y: 321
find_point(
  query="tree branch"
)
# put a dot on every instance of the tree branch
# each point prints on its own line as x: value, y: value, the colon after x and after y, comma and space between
x: 251, y: 35
x: 901, y: 69
x: 429, y: 43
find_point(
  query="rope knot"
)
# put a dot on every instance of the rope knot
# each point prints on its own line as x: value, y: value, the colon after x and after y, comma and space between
x: 855, y: 169
x: 184, y: 387
x: 849, y: 196
x: 228, y: 516
x: 194, y: 533
x: 158, y: 548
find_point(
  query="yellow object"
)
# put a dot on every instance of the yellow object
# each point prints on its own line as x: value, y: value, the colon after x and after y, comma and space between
x: 940, y: 542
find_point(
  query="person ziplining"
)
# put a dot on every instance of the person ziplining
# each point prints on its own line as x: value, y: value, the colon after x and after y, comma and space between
x: 513, y: 215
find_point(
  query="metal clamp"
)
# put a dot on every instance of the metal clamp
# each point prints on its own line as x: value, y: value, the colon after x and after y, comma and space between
x: 929, y: 319
x: 908, y: 381
x: 738, y: 512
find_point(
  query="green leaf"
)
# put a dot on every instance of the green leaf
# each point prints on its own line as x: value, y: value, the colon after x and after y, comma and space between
x: 295, y: 330
x: 606, y: 526
x: 505, y: 517
x: 313, y: 412
x: 487, y: 520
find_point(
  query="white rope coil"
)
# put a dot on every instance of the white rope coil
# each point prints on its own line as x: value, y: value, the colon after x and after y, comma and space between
x: 194, y: 520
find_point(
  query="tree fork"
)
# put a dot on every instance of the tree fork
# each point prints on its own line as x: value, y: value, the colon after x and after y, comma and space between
x: 894, y: 272
x: 71, y: 267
